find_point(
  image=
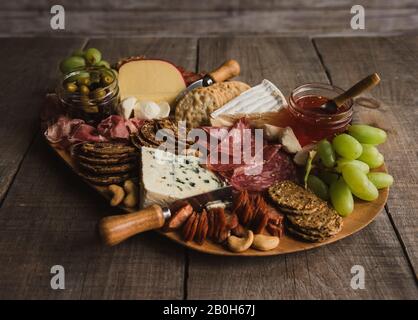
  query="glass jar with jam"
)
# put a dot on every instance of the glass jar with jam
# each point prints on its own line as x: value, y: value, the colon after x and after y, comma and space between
x: 91, y: 94
x: 309, y: 122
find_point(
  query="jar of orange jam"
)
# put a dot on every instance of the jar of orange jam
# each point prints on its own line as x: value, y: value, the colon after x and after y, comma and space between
x: 309, y: 122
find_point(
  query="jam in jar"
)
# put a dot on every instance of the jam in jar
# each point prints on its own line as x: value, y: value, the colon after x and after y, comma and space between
x: 91, y: 94
x: 309, y: 122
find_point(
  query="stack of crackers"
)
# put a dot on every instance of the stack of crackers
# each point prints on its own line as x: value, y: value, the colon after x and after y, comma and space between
x: 307, y: 216
x: 197, y: 105
x: 105, y: 163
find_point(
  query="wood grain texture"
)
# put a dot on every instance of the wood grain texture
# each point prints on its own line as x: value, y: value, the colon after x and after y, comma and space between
x: 49, y: 217
x: 396, y: 61
x: 193, y: 5
x: 187, y: 22
x: 25, y: 78
x: 318, y: 274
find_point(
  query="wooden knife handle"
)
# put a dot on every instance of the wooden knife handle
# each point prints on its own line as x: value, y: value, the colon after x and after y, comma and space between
x: 115, y: 229
x: 227, y: 70
x: 361, y: 86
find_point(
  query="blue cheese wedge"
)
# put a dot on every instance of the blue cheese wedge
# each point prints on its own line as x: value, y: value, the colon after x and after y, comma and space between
x: 167, y: 177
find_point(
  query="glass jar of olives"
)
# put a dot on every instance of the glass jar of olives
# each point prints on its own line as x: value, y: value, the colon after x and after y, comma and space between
x: 90, y: 93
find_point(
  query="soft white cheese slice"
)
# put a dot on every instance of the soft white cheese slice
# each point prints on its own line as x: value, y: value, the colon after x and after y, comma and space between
x: 262, y: 98
x: 167, y: 177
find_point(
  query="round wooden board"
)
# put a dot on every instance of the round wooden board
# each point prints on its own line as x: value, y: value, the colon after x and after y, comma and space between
x: 364, y: 213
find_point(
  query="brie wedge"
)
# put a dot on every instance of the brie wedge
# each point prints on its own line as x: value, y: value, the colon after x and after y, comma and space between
x: 262, y: 99
x: 167, y: 177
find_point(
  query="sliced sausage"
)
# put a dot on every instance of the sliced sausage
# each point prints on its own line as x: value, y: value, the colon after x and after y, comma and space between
x: 187, y: 226
x: 193, y: 228
x: 179, y: 217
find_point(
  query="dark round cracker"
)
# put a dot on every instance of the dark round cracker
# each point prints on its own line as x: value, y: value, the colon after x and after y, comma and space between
x: 105, y: 161
x: 107, y: 169
x: 106, y: 179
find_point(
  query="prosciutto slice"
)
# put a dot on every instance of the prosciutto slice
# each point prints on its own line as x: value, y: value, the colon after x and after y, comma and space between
x: 66, y: 131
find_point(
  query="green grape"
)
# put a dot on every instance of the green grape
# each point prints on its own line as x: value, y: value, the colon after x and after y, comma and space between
x: 341, y: 197
x: 371, y: 156
x: 318, y: 187
x: 328, y: 177
x: 103, y: 63
x: 326, y: 153
x: 92, y: 56
x: 359, y: 184
x: 359, y: 164
x: 367, y: 134
x: 380, y: 179
x: 347, y: 147
x: 72, y: 63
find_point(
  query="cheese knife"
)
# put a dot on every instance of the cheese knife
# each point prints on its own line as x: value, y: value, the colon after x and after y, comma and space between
x: 367, y: 83
x: 227, y: 70
x: 117, y: 228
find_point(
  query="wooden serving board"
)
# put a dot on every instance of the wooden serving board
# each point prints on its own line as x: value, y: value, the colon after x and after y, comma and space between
x: 364, y: 213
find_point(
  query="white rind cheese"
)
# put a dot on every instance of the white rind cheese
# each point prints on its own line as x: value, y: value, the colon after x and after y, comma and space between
x: 263, y: 98
x: 167, y: 177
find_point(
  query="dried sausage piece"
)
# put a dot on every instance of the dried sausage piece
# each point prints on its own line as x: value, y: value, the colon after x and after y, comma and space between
x: 262, y: 222
x: 205, y: 229
x: 189, y: 223
x: 193, y: 228
x: 239, y: 231
x: 221, y: 221
x: 179, y: 218
x: 211, y: 223
x: 250, y: 214
x: 232, y: 221
x: 275, y: 230
x: 202, y: 228
x: 223, y: 235
x: 199, y: 232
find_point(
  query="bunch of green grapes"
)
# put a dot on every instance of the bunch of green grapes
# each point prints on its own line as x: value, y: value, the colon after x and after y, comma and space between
x: 343, y: 168
x: 80, y: 59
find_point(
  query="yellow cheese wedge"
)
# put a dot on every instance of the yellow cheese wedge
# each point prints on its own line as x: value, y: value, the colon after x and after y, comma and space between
x: 150, y: 80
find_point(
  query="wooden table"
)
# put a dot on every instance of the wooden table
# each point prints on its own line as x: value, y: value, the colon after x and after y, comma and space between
x: 48, y: 216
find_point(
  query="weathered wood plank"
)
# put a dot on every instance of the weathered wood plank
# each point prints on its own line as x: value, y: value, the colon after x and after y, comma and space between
x: 396, y: 60
x: 137, y: 22
x: 28, y: 69
x: 193, y: 5
x: 49, y: 217
x: 318, y: 274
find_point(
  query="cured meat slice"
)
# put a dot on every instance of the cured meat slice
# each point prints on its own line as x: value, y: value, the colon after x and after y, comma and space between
x: 193, y: 228
x: 179, y: 218
x: 274, y: 165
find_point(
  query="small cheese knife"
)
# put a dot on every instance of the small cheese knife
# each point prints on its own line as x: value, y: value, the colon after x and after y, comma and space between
x: 227, y: 70
x: 367, y: 83
x: 115, y: 229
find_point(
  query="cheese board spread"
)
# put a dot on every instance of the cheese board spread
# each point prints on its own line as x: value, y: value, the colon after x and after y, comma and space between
x: 213, y: 163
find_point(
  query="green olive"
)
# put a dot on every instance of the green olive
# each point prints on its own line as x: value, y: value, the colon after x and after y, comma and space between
x: 99, y: 93
x: 91, y: 109
x: 71, y: 87
x: 103, y: 63
x: 107, y: 79
x: 92, y: 56
x: 84, y: 89
x: 72, y: 63
x: 84, y: 81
